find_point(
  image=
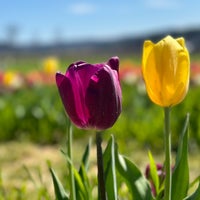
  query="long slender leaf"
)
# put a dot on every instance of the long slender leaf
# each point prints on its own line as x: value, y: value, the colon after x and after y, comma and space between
x: 110, y: 171
x: 195, y: 195
x: 180, y: 176
x: 83, y: 189
x: 136, y: 182
x: 86, y: 182
x: 85, y: 158
x: 196, y: 180
x: 154, y: 173
x: 58, y: 187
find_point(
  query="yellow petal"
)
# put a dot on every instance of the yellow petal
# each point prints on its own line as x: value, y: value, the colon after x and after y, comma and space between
x: 181, y: 41
x: 165, y: 68
x: 147, y: 47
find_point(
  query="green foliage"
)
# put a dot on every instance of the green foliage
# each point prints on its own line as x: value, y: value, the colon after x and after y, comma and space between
x: 195, y: 195
x: 59, y: 190
x: 37, y: 114
x: 181, y: 169
x: 34, y: 114
x: 110, y: 171
x: 154, y: 173
x: 135, y: 180
x: 80, y: 184
x: 180, y: 176
x: 192, y: 106
x: 118, y: 169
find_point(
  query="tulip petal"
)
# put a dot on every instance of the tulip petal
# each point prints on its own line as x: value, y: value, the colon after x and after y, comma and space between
x: 148, y: 46
x: 103, y: 98
x: 150, y: 73
x: 114, y: 63
x: 182, y: 78
x: 68, y: 96
x: 181, y: 41
x: 79, y: 74
x: 149, y: 70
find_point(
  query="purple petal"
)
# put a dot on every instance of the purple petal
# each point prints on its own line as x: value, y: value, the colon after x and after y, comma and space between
x: 80, y: 73
x: 71, y: 100
x: 103, y: 98
x: 114, y: 63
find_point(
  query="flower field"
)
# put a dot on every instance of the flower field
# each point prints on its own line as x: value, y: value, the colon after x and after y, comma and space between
x: 32, y: 113
x: 30, y: 106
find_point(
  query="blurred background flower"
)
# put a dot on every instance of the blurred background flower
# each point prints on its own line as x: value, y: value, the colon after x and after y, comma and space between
x: 50, y: 65
x: 12, y: 80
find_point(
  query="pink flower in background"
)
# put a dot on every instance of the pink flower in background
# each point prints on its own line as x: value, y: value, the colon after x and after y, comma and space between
x: 91, y: 93
x: 161, y: 175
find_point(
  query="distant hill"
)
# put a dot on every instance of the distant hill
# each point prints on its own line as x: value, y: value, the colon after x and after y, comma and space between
x: 126, y: 45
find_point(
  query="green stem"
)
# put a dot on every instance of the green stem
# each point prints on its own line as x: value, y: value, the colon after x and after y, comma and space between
x: 101, y: 179
x: 167, y: 133
x: 71, y: 174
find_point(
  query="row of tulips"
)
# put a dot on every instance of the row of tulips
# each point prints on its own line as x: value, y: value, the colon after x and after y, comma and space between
x: 12, y: 80
x: 92, y: 98
x: 130, y: 73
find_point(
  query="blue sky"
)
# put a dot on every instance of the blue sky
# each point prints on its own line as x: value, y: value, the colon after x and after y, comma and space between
x: 75, y: 20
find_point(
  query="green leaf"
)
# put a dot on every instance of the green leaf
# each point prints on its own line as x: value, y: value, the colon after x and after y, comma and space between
x: 110, y: 171
x: 83, y: 189
x: 195, y: 195
x: 135, y: 180
x: 58, y: 187
x: 85, y: 158
x: 197, y: 179
x: 154, y: 173
x: 86, y: 182
x: 180, y: 176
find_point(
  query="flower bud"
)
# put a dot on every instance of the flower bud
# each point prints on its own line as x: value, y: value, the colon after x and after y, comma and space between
x: 91, y: 93
x: 166, y: 70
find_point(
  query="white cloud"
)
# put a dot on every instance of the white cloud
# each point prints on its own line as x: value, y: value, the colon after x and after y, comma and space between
x: 163, y: 4
x: 82, y: 8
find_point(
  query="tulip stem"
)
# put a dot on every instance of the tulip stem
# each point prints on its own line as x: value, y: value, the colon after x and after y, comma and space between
x: 167, y: 133
x: 70, y: 163
x: 101, y: 179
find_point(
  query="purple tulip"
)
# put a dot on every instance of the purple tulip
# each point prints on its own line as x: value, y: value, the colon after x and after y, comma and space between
x: 91, y: 93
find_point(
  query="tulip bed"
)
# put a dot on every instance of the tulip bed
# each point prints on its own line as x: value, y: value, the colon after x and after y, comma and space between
x: 34, y: 112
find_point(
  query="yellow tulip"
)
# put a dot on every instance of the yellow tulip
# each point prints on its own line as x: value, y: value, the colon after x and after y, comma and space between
x: 166, y: 70
x: 12, y: 80
x: 50, y: 65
